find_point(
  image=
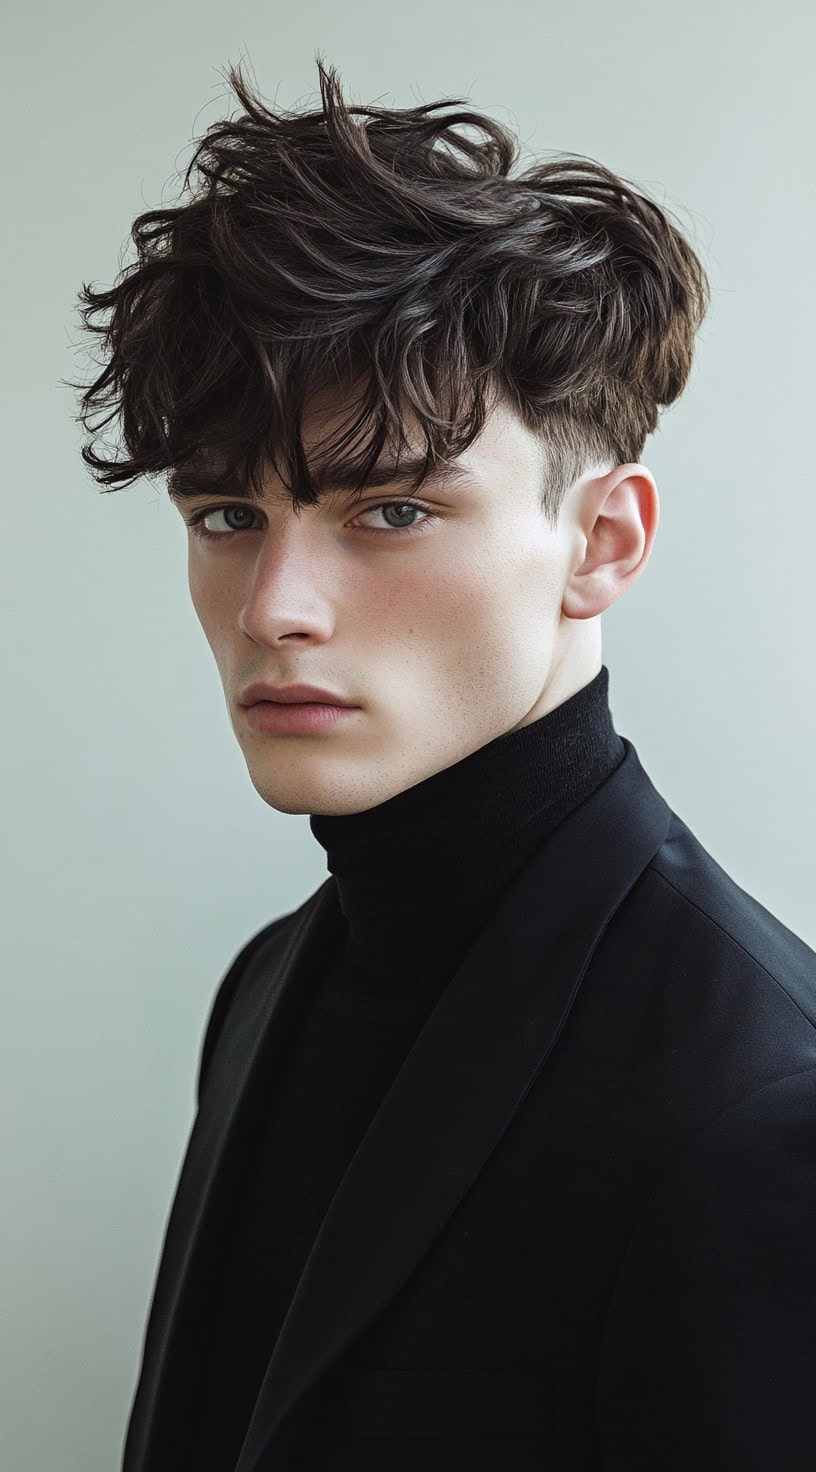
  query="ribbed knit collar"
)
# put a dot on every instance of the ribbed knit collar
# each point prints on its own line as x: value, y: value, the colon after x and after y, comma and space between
x: 417, y: 874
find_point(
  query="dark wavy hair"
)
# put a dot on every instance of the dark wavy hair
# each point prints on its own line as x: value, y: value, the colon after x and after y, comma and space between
x: 318, y: 253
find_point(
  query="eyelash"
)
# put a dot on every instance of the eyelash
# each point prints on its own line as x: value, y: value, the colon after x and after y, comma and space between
x: 194, y: 522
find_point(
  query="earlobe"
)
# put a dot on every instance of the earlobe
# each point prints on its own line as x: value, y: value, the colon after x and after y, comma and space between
x: 590, y: 598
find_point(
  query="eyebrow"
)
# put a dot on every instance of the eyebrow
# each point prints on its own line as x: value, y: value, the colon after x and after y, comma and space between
x: 185, y: 485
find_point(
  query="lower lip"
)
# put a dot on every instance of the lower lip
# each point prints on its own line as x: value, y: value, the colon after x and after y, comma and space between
x: 300, y: 719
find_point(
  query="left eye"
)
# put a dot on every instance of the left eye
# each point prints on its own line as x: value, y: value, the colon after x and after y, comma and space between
x: 399, y: 506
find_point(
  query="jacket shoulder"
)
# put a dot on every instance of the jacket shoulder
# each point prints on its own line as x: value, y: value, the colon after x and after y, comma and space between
x: 228, y: 986
x: 737, y: 924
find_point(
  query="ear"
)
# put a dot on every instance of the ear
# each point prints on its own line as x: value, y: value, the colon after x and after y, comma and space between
x: 616, y: 519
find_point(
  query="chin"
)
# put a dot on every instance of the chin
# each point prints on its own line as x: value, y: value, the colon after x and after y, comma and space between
x: 293, y: 803
x: 320, y: 788
x: 301, y: 800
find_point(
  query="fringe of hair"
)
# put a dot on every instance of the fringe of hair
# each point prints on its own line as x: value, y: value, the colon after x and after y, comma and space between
x: 320, y: 253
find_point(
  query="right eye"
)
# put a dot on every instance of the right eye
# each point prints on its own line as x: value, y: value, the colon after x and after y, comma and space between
x: 195, y: 523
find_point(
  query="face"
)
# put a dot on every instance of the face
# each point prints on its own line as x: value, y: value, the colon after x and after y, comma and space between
x: 448, y: 618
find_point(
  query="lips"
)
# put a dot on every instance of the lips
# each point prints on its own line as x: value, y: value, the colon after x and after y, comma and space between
x: 297, y: 717
x: 292, y: 695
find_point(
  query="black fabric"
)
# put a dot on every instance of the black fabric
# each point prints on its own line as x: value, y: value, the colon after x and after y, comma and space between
x: 578, y: 1231
x: 417, y: 874
x: 416, y: 877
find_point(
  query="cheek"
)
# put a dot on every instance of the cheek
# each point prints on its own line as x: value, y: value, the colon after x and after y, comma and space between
x: 478, y: 619
x: 427, y: 607
x: 200, y: 597
x: 499, y: 596
x: 195, y: 582
x: 504, y: 631
x: 211, y: 608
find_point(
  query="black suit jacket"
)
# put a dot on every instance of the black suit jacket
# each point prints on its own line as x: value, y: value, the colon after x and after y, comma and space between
x: 580, y: 1230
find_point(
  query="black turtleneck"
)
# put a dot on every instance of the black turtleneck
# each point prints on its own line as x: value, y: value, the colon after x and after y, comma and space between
x: 417, y: 877
x: 417, y: 874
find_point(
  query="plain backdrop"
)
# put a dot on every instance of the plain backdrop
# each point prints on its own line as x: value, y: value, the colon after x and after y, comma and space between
x: 137, y: 856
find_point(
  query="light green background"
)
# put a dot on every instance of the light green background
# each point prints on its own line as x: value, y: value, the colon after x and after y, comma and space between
x: 138, y: 858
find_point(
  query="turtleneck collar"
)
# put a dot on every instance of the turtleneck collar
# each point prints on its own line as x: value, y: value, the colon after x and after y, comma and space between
x: 417, y: 873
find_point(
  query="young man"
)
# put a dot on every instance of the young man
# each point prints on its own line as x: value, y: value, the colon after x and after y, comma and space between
x: 504, y: 1152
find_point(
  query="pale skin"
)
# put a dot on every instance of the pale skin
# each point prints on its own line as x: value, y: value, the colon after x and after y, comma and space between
x: 477, y: 621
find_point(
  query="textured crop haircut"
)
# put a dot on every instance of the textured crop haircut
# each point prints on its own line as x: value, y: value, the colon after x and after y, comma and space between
x: 319, y: 253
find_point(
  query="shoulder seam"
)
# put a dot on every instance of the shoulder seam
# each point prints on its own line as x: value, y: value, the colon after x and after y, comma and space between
x: 737, y: 942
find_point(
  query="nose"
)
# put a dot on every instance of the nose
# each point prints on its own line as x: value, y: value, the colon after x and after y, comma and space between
x: 286, y: 599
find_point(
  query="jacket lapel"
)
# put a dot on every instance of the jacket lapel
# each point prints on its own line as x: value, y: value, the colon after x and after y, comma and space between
x: 469, y: 1069
x: 254, y: 1032
x: 472, y: 1064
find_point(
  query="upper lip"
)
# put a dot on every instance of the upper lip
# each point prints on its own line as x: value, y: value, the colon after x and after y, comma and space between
x: 291, y: 695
